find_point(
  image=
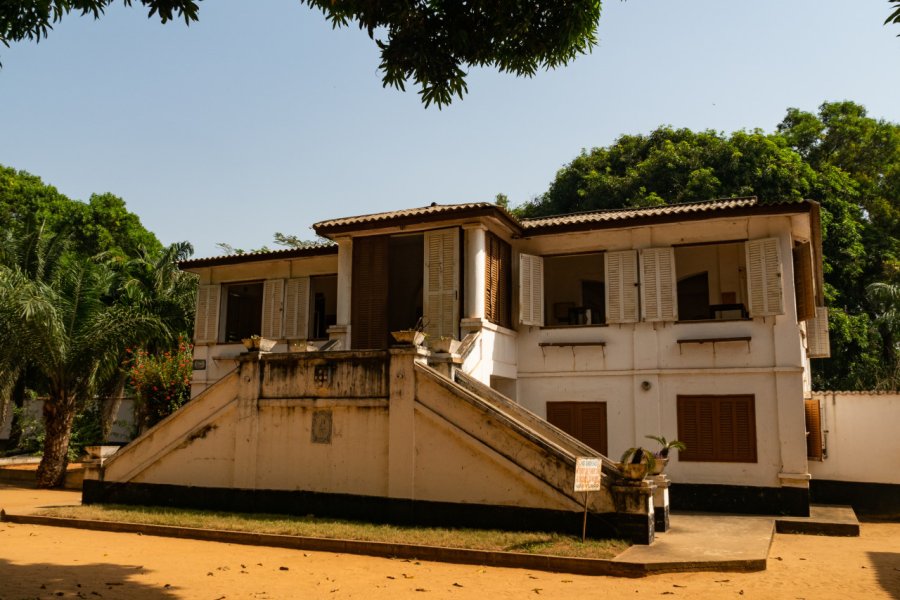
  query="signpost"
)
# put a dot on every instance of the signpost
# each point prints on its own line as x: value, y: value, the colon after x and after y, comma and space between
x: 588, y: 478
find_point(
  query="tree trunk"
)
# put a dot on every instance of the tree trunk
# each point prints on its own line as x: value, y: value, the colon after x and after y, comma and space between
x: 18, y: 401
x: 109, y: 408
x: 59, y: 413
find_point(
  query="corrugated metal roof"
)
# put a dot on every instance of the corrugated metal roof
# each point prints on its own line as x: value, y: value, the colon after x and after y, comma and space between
x: 423, y: 211
x: 313, y: 249
x: 621, y: 214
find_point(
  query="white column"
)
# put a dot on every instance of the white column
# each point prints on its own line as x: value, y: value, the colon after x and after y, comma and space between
x: 341, y: 329
x: 474, y: 265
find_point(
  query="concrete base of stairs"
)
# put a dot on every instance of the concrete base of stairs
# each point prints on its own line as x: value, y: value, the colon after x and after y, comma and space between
x: 838, y: 521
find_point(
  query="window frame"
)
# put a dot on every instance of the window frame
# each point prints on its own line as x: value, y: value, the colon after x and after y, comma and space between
x: 225, y: 303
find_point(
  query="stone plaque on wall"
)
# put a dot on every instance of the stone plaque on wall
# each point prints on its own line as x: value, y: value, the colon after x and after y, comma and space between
x: 321, y: 427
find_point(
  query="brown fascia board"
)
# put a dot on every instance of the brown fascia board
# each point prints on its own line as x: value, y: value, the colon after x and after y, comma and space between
x: 407, y: 220
x: 236, y: 259
x: 640, y: 221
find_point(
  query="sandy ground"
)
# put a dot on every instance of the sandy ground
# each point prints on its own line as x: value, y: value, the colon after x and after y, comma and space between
x: 48, y: 562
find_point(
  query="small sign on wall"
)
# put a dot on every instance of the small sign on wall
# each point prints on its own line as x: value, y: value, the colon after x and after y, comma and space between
x: 588, y: 474
x: 199, y: 364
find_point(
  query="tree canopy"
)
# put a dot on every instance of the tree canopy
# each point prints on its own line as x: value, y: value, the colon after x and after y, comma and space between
x: 840, y: 157
x: 429, y: 43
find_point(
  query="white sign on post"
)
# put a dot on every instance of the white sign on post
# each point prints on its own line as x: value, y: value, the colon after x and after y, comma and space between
x: 588, y: 474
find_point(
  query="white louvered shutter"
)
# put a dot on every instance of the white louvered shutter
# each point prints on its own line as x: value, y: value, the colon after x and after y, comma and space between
x: 531, y: 290
x: 296, y: 308
x: 441, y: 302
x: 764, y: 278
x: 273, y: 297
x: 621, y: 286
x: 818, y: 342
x: 658, y: 294
x: 206, y: 323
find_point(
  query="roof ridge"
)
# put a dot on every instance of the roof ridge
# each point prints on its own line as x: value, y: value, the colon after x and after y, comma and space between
x: 639, y: 208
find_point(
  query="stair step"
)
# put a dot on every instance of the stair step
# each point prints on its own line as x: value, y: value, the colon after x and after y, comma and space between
x: 838, y: 521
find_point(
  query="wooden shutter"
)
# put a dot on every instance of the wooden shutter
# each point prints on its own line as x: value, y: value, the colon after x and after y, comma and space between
x: 296, y: 308
x: 585, y: 421
x: 658, y: 287
x: 206, y: 323
x: 764, y: 277
x: 441, y: 301
x: 717, y: 428
x: 273, y: 309
x: 804, y: 287
x: 818, y: 342
x: 369, y: 302
x: 814, y: 446
x: 621, y: 286
x: 497, y: 275
x: 531, y: 290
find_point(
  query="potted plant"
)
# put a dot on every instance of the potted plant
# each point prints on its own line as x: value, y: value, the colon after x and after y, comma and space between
x: 636, y: 463
x: 257, y: 343
x: 445, y: 344
x: 662, y: 455
x: 415, y: 336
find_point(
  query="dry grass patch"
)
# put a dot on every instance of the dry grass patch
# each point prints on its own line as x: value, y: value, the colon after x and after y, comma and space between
x: 312, y: 526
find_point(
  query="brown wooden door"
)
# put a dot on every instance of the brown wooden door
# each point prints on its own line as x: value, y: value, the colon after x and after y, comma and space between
x: 585, y: 421
x: 369, y: 309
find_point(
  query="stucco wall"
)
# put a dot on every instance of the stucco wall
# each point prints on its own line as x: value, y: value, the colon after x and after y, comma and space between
x: 861, y: 439
x: 395, y: 430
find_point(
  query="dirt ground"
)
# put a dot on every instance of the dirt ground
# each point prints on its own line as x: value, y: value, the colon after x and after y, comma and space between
x: 47, y: 562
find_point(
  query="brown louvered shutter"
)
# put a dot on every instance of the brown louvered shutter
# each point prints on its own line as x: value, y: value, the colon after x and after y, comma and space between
x: 497, y: 280
x: 813, y: 429
x: 585, y: 421
x: 804, y: 287
x: 593, y: 425
x: 717, y: 428
x: 368, y: 313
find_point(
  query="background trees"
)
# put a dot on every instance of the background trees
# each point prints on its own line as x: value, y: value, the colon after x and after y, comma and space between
x: 80, y: 283
x: 840, y: 157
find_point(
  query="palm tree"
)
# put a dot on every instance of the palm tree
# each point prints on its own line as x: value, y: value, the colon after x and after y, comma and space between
x: 32, y: 250
x: 885, y: 301
x: 71, y: 329
x: 151, y: 283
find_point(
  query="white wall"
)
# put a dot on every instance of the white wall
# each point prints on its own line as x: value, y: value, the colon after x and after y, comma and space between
x: 771, y: 366
x: 861, y: 438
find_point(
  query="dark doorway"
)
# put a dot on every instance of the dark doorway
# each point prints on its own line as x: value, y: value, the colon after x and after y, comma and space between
x: 693, y: 298
x: 243, y: 310
x: 406, y: 264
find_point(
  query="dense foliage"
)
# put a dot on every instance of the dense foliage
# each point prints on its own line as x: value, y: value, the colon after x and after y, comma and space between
x: 79, y: 283
x: 840, y: 157
x: 430, y: 43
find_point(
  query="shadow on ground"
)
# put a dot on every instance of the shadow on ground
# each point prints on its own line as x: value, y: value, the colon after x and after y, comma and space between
x: 887, y: 564
x: 102, y: 580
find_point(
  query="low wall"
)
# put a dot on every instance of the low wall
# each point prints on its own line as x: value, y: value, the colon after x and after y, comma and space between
x: 860, y: 437
x: 861, y: 446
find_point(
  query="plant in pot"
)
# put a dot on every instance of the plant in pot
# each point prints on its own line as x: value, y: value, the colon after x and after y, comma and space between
x: 662, y: 455
x: 415, y: 336
x: 636, y: 463
x: 256, y: 342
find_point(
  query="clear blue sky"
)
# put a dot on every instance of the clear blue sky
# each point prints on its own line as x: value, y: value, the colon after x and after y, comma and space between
x: 261, y: 118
